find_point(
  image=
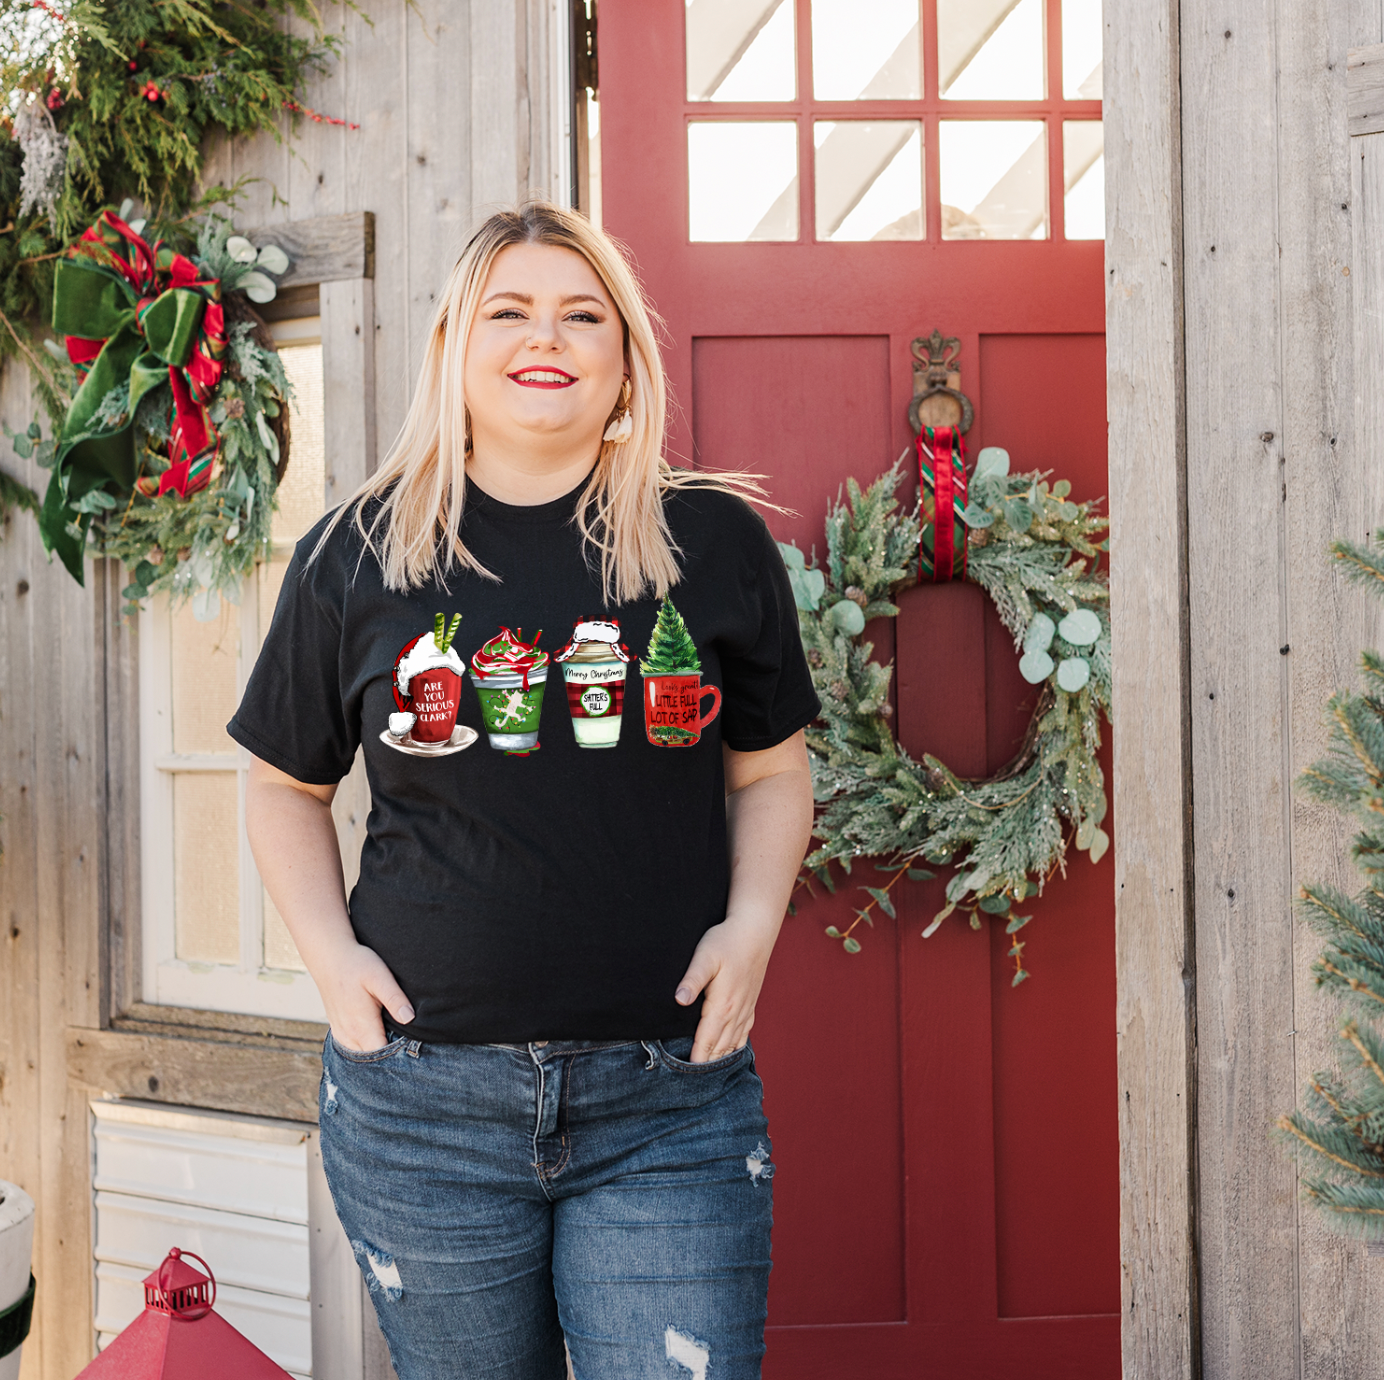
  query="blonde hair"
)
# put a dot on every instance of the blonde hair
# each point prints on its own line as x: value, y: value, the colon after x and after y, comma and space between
x: 420, y: 486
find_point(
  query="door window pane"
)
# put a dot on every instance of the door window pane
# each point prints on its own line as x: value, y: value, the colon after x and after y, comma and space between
x: 1083, y: 176
x: 1081, y: 50
x: 994, y: 176
x: 206, y: 867
x: 300, y: 494
x: 202, y: 662
x: 866, y: 50
x: 869, y: 180
x: 742, y: 180
x: 740, y: 50
x: 991, y: 50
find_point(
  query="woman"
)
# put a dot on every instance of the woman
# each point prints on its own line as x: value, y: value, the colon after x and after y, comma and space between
x: 577, y: 678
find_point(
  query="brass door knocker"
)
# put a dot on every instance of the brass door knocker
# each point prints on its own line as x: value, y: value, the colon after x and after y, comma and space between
x: 937, y: 397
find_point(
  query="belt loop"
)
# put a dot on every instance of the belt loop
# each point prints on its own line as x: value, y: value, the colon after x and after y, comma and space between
x: 653, y: 1058
x: 413, y: 1047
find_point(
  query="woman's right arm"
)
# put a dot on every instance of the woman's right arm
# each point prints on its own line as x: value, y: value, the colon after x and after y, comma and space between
x: 293, y: 838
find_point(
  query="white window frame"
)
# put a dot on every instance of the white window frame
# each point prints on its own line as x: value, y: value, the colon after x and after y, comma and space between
x: 247, y: 987
x: 345, y: 328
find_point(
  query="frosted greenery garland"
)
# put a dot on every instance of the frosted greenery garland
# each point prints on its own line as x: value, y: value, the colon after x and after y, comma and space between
x: 1035, y: 553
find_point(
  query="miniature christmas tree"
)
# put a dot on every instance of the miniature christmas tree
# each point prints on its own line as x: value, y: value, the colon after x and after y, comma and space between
x: 671, y: 649
x: 1339, y: 1139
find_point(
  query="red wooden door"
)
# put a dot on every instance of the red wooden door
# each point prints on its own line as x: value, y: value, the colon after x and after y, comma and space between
x: 802, y: 205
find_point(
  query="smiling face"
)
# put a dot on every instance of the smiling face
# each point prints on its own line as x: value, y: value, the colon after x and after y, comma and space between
x: 544, y: 362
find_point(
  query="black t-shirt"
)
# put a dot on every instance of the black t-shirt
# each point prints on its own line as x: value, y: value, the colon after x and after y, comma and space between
x: 545, y: 868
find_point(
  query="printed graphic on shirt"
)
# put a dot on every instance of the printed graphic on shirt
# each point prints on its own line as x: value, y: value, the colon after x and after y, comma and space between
x: 509, y: 675
x: 593, y: 668
x: 427, y: 690
x: 673, y: 689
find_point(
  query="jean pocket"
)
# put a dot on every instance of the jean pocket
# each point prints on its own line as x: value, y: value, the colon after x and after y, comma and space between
x: 368, y: 1056
x: 679, y: 1065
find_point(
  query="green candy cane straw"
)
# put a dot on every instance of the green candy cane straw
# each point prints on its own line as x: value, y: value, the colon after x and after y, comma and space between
x: 443, y: 635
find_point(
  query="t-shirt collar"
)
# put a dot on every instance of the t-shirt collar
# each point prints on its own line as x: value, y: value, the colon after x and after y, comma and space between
x: 557, y: 510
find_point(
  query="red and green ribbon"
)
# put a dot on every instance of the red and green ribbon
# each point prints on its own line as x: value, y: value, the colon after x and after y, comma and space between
x: 942, y: 488
x: 136, y: 314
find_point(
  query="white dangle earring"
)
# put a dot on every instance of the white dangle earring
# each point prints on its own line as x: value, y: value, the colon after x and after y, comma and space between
x: 622, y: 427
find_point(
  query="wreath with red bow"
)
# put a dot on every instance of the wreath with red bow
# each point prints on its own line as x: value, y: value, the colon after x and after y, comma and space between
x: 176, y: 430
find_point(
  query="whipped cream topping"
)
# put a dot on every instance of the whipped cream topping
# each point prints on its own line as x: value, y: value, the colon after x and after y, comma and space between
x: 507, y: 654
x: 424, y: 656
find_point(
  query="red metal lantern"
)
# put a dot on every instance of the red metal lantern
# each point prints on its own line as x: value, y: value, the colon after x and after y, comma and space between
x: 178, y: 1337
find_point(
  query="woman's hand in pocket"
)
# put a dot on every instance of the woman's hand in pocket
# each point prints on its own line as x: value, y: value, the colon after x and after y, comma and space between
x: 355, y: 984
x: 728, y: 969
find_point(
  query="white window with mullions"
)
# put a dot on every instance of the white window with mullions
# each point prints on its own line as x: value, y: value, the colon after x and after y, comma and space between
x: 211, y: 937
x: 893, y: 120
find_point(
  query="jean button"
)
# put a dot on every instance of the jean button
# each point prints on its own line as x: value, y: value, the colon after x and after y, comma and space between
x: 540, y: 1044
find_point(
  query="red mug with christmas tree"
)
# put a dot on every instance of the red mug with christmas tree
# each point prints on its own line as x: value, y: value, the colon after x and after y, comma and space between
x: 673, y: 689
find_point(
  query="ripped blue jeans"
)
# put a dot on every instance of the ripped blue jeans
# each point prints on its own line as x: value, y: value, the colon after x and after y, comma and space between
x: 501, y: 1198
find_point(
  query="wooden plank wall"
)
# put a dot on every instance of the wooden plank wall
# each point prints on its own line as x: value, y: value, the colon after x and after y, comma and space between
x: 456, y: 106
x: 1265, y: 362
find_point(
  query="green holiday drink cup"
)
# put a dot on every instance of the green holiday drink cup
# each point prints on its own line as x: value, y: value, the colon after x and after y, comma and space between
x: 510, y: 708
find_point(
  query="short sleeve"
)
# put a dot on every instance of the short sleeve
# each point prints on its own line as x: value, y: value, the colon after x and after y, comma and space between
x: 292, y: 714
x: 767, y: 686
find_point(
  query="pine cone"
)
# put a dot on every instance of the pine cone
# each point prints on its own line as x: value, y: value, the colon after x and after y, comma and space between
x: 841, y: 690
x: 814, y: 657
x: 980, y: 536
x: 235, y: 407
x: 857, y: 595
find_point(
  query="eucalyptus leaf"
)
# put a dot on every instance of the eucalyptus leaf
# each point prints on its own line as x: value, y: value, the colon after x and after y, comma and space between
x: 1072, y: 674
x: 241, y: 250
x: 851, y: 945
x: 833, y: 932
x: 920, y: 874
x: 206, y: 605
x: 956, y: 888
x: 1035, y: 667
x: 973, y: 515
x: 1085, y: 833
x: 138, y: 225
x: 792, y: 557
x: 992, y: 461
x: 1062, y: 488
x: 126, y: 207
x: 937, y: 919
x: 1099, y: 843
x: 848, y: 617
x: 1041, y: 630
x: 1018, y: 513
x: 807, y: 587
x: 995, y: 905
x: 1081, y: 628
x: 272, y: 259
x: 262, y: 427
x: 882, y: 897
x: 1016, y: 923
x: 257, y: 286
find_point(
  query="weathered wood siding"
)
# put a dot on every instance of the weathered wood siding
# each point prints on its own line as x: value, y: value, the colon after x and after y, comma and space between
x: 1232, y: 266
x: 459, y: 108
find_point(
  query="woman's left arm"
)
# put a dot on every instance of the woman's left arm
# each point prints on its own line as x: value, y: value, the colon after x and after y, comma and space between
x: 768, y: 825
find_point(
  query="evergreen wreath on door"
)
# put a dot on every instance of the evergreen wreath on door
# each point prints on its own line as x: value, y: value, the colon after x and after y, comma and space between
x: 1035, y: 552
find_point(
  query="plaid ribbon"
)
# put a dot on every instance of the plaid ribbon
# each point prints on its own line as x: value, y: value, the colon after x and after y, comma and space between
x: 942, y: 488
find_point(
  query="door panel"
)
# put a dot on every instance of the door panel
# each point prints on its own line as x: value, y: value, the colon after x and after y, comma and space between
x: 945, y: 1196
